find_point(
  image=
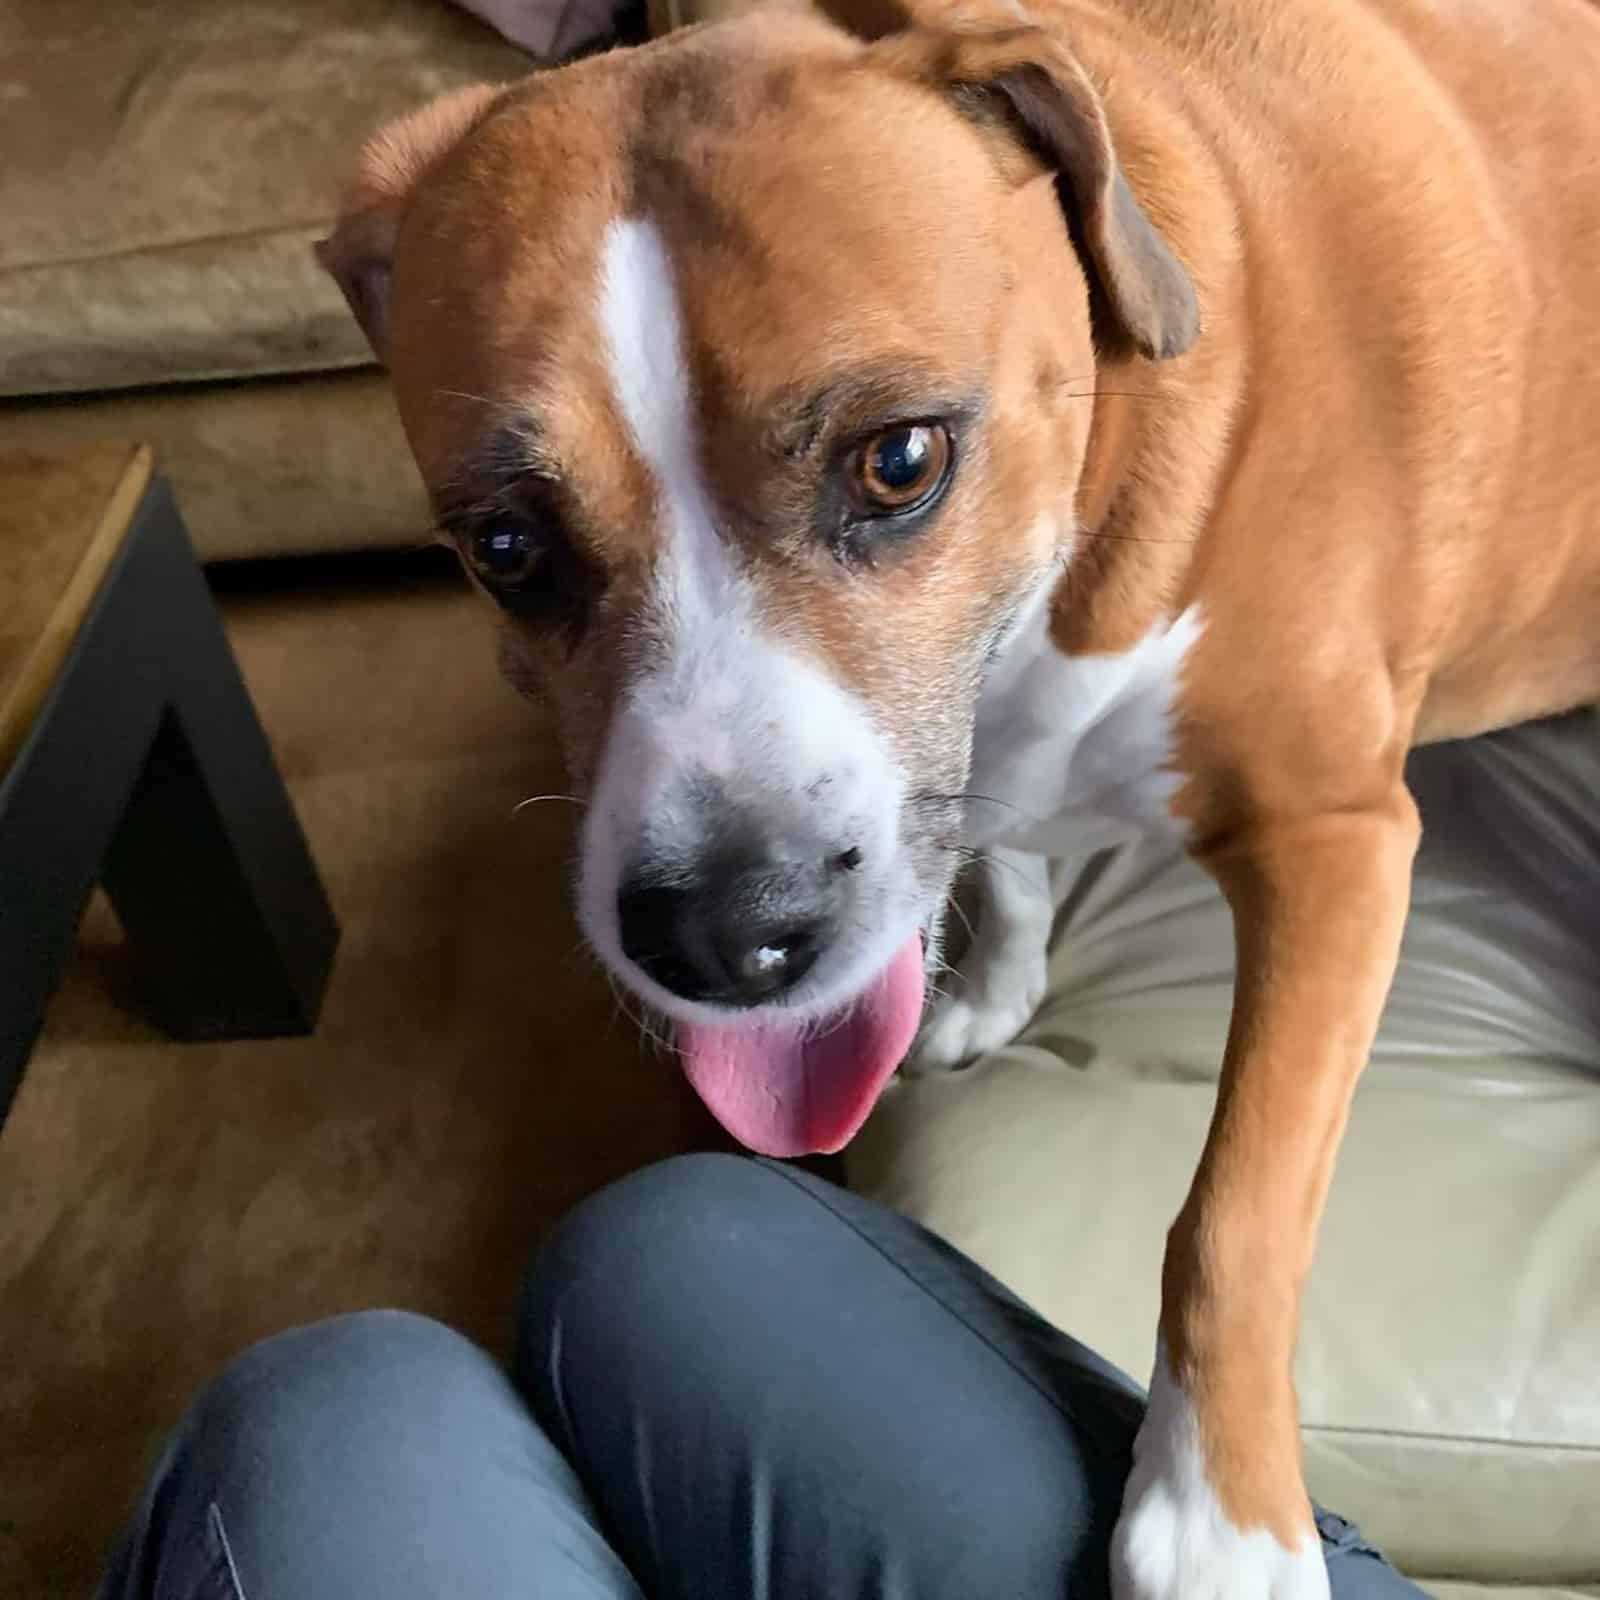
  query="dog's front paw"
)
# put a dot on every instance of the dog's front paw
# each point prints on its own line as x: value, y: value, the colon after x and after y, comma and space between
x: 1001, y: 979
x: 1168, y: 1547
x: 981, y: 1013
x: 1176, y: 1541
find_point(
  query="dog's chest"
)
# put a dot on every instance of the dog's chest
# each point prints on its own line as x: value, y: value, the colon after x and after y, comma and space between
x: 1060, y: 739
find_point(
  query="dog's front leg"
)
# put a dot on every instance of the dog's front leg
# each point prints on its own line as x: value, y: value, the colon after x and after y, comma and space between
x: 1001, y: 978
x: 1216, y: 1507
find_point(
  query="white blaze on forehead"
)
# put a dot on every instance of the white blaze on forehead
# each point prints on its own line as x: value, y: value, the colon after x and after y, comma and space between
x: 703, y: 610
x: 717, y: 695
x: 642, y: 329
x: 643, y: 332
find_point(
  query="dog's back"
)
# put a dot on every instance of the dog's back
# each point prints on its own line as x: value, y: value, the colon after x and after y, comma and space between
x: 1416, y: 189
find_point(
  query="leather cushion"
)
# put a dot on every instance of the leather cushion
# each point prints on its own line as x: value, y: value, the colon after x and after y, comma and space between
x: 168, y: 166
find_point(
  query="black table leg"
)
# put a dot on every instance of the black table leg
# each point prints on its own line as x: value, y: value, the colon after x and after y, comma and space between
x: 147, y: 770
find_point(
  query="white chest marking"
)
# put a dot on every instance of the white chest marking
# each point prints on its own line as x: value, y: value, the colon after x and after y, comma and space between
x: 1064, y: 737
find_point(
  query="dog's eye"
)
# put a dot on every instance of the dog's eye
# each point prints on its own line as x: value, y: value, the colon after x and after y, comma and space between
x: 503, y: 554
x: 899, y: 469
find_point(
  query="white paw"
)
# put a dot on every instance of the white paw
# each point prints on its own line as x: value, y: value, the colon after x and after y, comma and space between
x: 983, y: 1010
x: 1174, y: 1541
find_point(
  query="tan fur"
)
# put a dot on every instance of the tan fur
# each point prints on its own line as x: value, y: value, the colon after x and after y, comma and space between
x: 1402, y: 543
x: 1374, y: 471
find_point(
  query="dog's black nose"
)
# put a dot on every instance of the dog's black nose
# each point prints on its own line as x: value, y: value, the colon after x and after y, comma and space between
x: 733, y: 938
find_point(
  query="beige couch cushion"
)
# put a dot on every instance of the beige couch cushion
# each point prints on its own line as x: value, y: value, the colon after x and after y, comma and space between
x: 1450, y: 1366
x: 1512, y: 1591
x: 168, y: 165
x: 282, y: 467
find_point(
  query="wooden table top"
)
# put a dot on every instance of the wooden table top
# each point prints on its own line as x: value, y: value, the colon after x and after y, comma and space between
x: 63, y: 517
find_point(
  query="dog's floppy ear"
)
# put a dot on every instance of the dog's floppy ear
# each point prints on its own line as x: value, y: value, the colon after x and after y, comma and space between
x: 360, y: 252
x: 1140, y: 292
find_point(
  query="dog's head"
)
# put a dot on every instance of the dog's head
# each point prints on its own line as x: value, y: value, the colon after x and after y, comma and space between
x: 746, y: 371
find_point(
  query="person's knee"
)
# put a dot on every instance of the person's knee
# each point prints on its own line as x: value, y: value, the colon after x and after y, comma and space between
x: 293, y: 1393
x: 689, y: 1232
x: 692, y: 1209
x: 375, y: 1453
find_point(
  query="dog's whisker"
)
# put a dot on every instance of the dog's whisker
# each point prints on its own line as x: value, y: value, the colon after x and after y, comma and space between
x: 620, y: 1001
x: 656, y: 1038
x: 578, y: 959
x: 536, y: 799
x: 1117, y: 394
x: 659, y: 1039
x: 498, y: 405
x: 964, y: 854
x: 1127, y: 538
x: 814, y: 1032
x: 1008, y: 866
x: 659, y: 1035
x: 960, y: 910
x: 967, y: 795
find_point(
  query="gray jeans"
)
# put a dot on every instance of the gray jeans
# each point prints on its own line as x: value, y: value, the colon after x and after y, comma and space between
x: 733, y: 1382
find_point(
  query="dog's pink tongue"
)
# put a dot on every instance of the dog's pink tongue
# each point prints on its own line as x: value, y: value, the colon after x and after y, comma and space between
x: 790, y: 1091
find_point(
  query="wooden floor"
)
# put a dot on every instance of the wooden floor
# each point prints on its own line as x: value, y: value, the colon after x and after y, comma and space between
x: 161, y: 1205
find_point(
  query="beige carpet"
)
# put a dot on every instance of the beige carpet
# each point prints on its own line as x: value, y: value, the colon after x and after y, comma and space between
x: 162, y: 1205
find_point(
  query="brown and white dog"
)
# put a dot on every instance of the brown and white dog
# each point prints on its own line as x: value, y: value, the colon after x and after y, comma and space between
x: 886, y: 435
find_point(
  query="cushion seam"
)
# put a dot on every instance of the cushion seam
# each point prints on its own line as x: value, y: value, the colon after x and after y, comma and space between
x: 270, y: 230
x: 1476, y: 1441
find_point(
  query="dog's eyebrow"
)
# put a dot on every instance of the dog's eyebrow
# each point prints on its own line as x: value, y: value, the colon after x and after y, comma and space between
x: 870, y: 397
x: 487, y: 477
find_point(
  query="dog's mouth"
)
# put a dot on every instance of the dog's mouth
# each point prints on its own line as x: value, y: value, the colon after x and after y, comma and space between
x: 803, y: 1088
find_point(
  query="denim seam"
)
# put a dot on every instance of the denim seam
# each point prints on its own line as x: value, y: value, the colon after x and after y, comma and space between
x: 214, y: 1515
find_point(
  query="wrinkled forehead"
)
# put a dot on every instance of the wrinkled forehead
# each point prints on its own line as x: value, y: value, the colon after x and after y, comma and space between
x: 820, y: 219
